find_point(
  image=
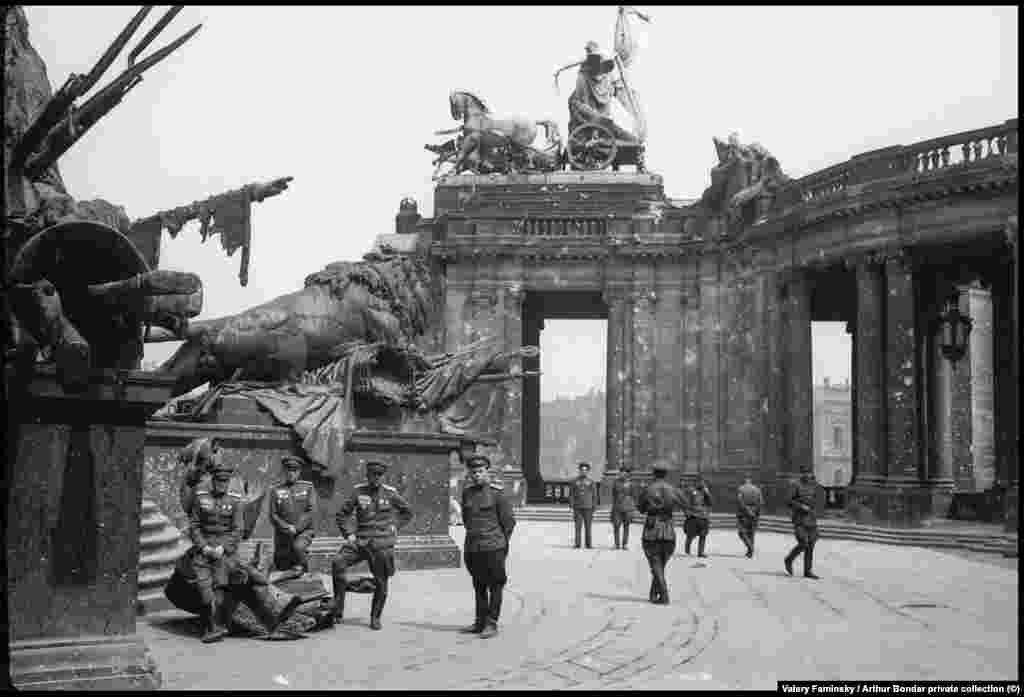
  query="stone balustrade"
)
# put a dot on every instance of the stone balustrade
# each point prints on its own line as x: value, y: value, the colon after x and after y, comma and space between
x: 957, y: 150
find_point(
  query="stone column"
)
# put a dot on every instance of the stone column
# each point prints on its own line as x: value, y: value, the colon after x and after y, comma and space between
x: 870, y: 374
x: 690, y: 346
x: 901, y: 368
x: 512, y: 414
x: 644, y: 375
x: 627, y: 385
x: 800, y: 375
x: 1007, y: 314
x: 777, y: 404
x: 669, y: 391
x: 851, y: 329
x: 615, y: 374
x: 980, y: 356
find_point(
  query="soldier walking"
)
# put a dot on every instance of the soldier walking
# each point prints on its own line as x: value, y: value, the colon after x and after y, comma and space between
x: 805, y: 524
x: 748, y: 512
x: 624, y: 495
x: 213, y: 566
x: 292, y: 504
x: 582, y: 499
x: 379, y: 512
x: 488, y: 518
x: 658, y: 501
x: 698, y: 516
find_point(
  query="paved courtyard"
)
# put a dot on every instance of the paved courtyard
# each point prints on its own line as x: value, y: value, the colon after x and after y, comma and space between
x: 580, y: 619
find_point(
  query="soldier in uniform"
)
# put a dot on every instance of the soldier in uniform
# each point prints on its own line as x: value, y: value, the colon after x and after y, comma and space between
x: 489, y: 521
x: 624, y: 495
x: 698, y: 516
x: 658, y: 501
x: 213, y: 566
x: 379, y: 512
x: 748, y: 511
x: 291, y: 512
x: 583, y: 499
x: 805, y: 524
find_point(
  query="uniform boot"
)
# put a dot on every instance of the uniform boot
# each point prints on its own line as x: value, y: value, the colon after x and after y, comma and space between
x: 377, y: 607
x: 615, y: 534
x: 339, y: 582
x: 686, y: 548
x: 625, y: 535
x: 700, y: 545
x: 788, y: 561
x: 490, y: 630
x: 227, y: 611
x: 808, y: 561
x: 215, y: 630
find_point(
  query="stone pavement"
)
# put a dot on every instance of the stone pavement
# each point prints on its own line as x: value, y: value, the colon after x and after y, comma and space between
x: 580, y: 619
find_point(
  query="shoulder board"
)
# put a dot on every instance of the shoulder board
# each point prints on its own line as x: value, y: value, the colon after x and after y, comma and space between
x: 303, y: 481
x: 234, y: 494
x: 201, y: 492
x: 362, y: 485
x: 499, y: 487
x: 388, y: 487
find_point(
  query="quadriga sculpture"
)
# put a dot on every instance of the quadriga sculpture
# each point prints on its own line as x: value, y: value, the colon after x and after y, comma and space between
x: 381, y: 299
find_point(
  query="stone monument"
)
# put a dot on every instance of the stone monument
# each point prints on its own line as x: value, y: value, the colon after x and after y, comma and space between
x: 77, y: 296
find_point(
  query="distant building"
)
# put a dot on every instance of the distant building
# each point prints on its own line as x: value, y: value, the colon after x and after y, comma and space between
x: 833, y: 434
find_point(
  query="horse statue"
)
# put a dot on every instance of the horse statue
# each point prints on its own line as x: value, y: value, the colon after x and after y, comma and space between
x: 488, y: 143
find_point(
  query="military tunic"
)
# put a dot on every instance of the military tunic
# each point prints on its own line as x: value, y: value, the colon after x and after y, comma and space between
x: 214, y: 521
x: 624, y: 495
x: 292, y: 504
x: 698, y: 518
x: 658, y: 501
x: 805, y: 525
x: 748, y: 512
x: 489, y: 521
x: 583, y: 499
x: 378, y: 513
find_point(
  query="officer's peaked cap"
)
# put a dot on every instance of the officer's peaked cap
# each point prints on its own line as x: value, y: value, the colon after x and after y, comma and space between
x: 292, y: 462
x: 222, y: 470
x: 376, y: 466
x: 478, y: 461
x: 662, y: 466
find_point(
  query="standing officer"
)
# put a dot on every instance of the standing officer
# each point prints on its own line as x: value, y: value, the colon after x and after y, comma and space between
x: 291, y: 511
x: 379, y: 511
x: 624, y: 495
x: 213, y: 566
x: 658, y: 501
x: 489, y: 521
x: 583, y: 498
x: 698, y: 516
x: 805, y: 524
x: 748, y: 511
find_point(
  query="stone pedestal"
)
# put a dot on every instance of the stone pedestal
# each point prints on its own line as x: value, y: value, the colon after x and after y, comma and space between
x: 420, y: 470
x: 73, y: 508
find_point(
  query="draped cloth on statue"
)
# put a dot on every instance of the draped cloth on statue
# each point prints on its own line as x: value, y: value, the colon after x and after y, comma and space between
x: 317, y: 410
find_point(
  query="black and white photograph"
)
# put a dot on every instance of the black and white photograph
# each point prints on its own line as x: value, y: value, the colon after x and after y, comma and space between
x: 482, y: 347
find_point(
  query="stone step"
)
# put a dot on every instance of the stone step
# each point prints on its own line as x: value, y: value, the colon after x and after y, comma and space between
x: 944, y: 539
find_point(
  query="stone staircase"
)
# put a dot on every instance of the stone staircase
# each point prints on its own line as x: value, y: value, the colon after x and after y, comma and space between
x: 944, y: 535
x: 161, y: 544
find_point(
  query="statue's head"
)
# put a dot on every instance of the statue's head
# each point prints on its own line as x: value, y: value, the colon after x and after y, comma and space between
x: 592, y: 47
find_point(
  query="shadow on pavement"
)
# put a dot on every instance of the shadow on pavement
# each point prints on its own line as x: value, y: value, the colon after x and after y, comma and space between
x: 181, y: 626
x: 619, y: 598
x: 434, y: 627
x: 780, y: 574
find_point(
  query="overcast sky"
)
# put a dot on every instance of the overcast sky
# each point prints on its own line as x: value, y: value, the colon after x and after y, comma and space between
x: 343, y: 99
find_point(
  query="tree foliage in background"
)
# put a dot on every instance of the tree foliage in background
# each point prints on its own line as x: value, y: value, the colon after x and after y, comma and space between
x: 572, y: 430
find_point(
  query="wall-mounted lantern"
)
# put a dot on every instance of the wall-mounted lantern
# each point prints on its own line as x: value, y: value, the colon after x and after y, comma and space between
x: 955, y: 328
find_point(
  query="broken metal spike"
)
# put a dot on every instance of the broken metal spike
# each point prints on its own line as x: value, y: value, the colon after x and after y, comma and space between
x: 115, y: 48
x: 134, y: 73
x: 148, y: 38
x: 148, y: 63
